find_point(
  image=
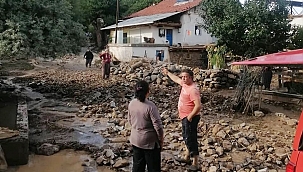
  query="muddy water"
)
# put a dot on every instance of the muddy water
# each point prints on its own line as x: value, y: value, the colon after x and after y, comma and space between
x: 64, y: 161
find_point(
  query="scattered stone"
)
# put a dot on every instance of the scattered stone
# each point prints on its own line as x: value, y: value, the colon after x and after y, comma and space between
x: 121, y: 163
x: 259, y: 113
x: 47, y: 149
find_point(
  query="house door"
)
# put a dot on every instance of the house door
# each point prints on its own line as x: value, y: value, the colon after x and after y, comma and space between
x: 169, y: 36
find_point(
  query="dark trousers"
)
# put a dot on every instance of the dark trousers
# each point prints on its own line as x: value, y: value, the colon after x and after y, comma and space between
x: 105, y: 70
x: 189, y: 133
x: 149, y: 157
x: 88, y: 62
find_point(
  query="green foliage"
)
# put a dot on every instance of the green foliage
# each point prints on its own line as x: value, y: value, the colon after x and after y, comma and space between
x: 296, y: 40
x: 216, y: 55
x: 255, y: 28
x: 38, y: 28
x: 51, y: 28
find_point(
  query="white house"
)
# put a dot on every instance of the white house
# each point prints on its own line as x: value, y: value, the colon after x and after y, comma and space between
x: 157, y: 27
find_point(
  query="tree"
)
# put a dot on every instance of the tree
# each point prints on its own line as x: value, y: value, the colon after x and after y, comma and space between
x: 296, y: 40
x: 131, y: 6
x: 251, y: 29
x: 38, y: 28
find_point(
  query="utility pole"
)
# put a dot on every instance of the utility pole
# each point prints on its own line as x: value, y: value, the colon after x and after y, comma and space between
x: 117, y: 16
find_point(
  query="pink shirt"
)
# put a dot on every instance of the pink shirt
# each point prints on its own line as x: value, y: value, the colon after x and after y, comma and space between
x: 189, y: 93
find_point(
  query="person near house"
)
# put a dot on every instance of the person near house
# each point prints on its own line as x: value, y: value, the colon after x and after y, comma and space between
x: 88, y: 57
x: 146, y: 130
x: 189, y: 106
x: 159, y: 56
x: 106, y: 59
x: 267, y: 77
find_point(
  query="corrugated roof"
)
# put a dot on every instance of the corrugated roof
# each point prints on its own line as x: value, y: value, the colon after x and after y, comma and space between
x: 166, y: 6
x: 140, y: 20
x: 294, y: 57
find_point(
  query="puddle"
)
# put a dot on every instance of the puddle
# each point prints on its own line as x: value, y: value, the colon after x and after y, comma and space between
x: 64, y: 161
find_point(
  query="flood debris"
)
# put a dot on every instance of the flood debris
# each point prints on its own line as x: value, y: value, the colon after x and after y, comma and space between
x: 224, y: 145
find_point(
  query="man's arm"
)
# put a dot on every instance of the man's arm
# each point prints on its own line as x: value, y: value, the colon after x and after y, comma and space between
x: 196, y: 110
x: 85, y: 55
x: 173, y: 77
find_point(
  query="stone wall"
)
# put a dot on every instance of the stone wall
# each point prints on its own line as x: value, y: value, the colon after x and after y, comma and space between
x: 189, y: 56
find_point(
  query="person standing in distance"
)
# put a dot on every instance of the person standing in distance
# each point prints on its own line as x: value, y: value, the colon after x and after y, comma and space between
x: 189, y: 106
x: 146, y: 131
x: 88, y: 57
x: 106, y: 59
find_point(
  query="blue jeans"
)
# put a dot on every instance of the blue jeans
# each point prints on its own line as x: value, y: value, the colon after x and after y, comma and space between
x: 190, y: 134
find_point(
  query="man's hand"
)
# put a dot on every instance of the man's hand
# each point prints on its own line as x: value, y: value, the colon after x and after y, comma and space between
x: 189, y: 118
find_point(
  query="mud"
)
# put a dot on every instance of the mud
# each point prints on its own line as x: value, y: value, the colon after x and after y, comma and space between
x: 65, y: 160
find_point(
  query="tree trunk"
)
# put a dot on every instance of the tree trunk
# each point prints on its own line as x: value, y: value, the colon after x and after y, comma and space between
x: 100, y: 24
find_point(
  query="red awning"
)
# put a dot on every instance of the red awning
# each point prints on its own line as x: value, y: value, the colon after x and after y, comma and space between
x: 293, y: 57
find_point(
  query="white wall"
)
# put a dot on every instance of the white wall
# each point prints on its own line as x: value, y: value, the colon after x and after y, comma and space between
x: 125, y: 52
x: 122, y: 53
x: 184, y: 35
x: 187, y: 34
x: 150, y: 52
x: 158, y: 39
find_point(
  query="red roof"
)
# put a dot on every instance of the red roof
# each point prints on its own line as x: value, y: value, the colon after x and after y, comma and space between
x: 293, y: 57
x: 166, y: 6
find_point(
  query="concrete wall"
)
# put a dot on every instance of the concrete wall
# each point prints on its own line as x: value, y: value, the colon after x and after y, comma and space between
x: 125, y: 52
x: 187, y: 36
x: 16, y: 149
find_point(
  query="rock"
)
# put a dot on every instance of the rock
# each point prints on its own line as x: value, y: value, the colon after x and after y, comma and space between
x: 47, y: 149
x: 221, y: 134
x: 212, y: 169
x: 292, y: 122
x: 282, y: 115
x: 121, y: 163
x: 243, y: 141
x: 109, y: 153
x: 220, y: 151
x: 100, y: 160
x: 227, y: 146
x: 258, y: 113
x: 263, y: 170
x: 153, y: 78
x: 253, y: 148
x: 216, y: 129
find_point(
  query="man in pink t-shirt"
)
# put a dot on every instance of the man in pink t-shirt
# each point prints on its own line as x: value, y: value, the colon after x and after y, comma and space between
x: 189, y: 106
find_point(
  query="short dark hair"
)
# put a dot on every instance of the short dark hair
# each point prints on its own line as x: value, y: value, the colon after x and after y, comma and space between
x: 141, y: 89
x: 190, y: 72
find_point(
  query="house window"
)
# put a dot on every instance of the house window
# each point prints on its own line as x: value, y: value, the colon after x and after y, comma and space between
x: 125, y: 38
x: 197, y: 30
x: 161, y: 32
